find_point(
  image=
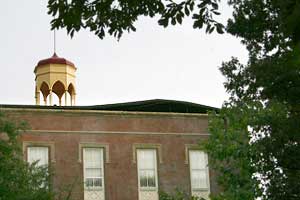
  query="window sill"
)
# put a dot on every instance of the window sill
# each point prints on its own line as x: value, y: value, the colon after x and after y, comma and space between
x: 93, y: 189
x: 148, y: 189
x: 201, y: 189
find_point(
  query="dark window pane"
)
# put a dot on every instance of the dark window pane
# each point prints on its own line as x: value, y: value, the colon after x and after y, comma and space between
x: 89, y: 182
x: 151, y: 181
x: 98, y: 182
x: 143, y: 181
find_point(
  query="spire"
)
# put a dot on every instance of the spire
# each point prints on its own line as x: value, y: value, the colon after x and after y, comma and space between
x: 54, y: 42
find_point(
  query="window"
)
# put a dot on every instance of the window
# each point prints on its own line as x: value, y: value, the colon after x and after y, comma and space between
x: 39, y: 154
x: 93, y: 168
x: 147, y: 168
x: 199, y: 173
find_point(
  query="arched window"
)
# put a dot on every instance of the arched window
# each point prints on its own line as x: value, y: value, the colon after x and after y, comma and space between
x: 45, y: 90
x: 58, y: 88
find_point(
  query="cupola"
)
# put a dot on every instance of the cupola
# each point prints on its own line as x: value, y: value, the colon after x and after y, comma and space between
x: 55, y: 76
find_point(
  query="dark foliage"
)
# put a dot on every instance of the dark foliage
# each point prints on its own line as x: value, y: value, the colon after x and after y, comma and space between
x: 255, y: 139
x: 19, y: 180
x: 254, y: 144
x: 116, y: 16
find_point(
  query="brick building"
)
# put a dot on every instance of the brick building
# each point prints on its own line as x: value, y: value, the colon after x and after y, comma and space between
x: 126, y: 151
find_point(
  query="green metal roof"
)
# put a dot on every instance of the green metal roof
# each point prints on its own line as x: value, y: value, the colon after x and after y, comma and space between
x: 154, y: 105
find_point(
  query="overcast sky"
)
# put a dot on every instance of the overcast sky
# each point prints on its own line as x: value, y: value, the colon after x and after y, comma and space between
x: 177, y: 63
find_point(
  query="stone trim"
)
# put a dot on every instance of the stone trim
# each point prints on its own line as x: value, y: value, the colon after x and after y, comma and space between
x: 57, y: 73
x: 49, y: 144
x: 117, y: 132
x: 105, y: 147
x: 136, y: 146
x: 81, y: 111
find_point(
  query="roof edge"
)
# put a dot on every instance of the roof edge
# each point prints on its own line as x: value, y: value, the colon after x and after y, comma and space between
x: 70, y: 109
x: 146, y: 106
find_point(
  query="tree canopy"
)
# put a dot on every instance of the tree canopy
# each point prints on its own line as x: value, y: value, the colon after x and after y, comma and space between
x: 254, y: 142
x: 18, y: 179
x: 116, y: 16
x: 255, y: 139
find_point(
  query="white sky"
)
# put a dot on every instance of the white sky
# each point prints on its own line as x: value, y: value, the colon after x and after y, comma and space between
x: 177, y: 63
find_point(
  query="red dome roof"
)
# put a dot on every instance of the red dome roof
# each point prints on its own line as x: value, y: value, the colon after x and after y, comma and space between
x: 55, y: 60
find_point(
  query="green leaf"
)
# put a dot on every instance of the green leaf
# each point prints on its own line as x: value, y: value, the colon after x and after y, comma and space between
x: 163, y: 22
x: 196, y: 16
x: 186, y: 10
x: 173, y: 21
x: 202, y: 11
x: 215, y: 5
x: 219, y: 28
x: 203, y: 4
x: 208, y: 27
x: 198, y: 24
x: 179, y: 18
x: 216, y: 13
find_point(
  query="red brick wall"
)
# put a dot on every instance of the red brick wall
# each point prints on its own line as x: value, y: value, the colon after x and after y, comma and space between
x: 69, y: 128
